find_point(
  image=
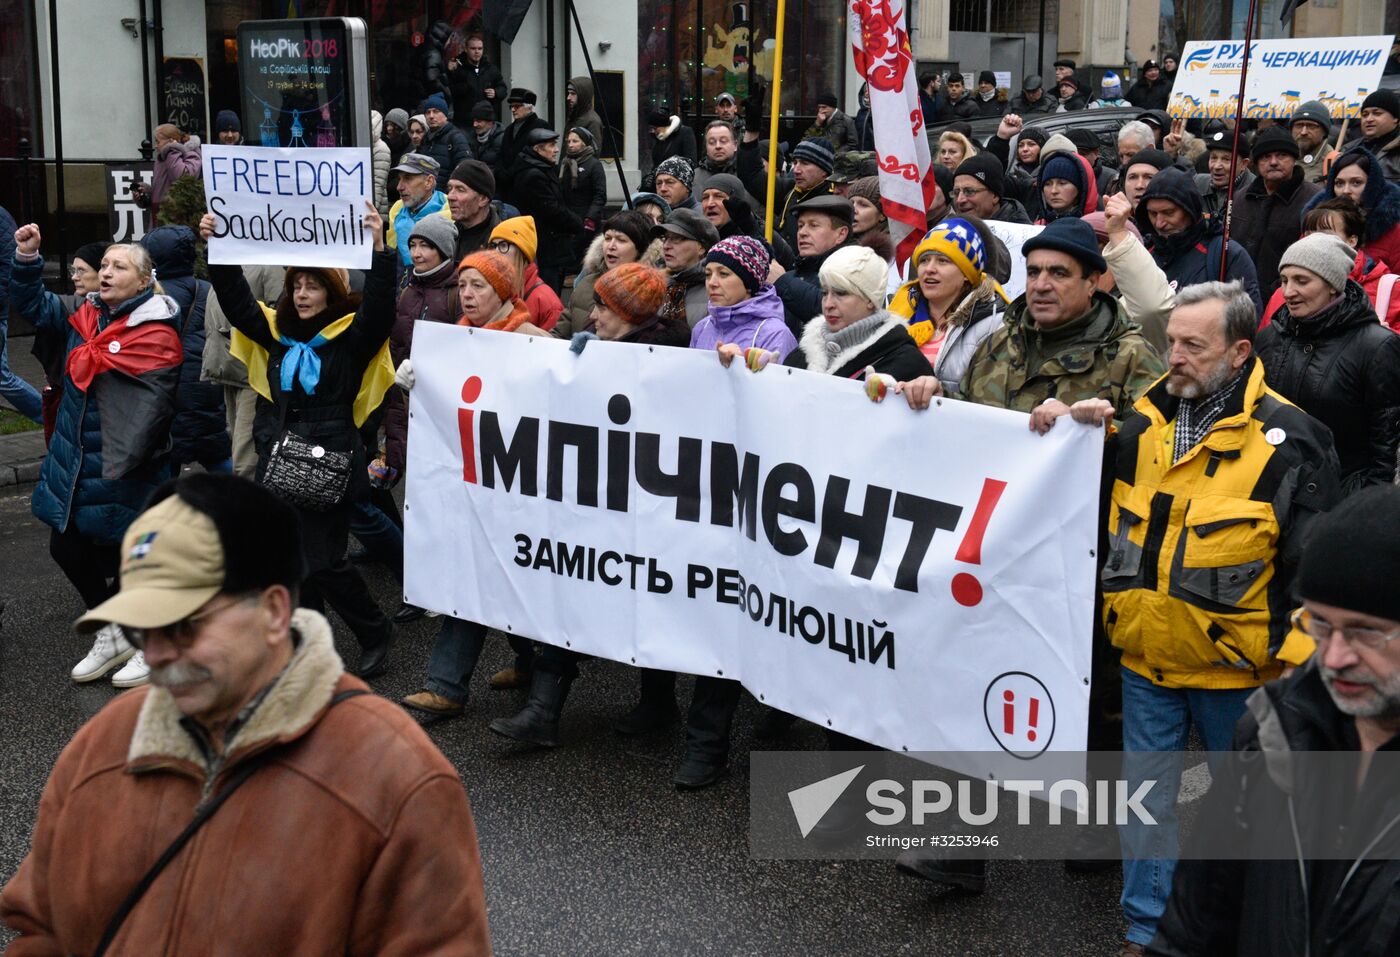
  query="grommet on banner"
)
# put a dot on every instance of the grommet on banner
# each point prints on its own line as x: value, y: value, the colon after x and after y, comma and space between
x: 761, y: 698
x: 720, y: 673
x: 568, y: 644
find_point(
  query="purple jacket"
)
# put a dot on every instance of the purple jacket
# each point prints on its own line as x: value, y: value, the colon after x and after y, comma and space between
x: 757, y: 321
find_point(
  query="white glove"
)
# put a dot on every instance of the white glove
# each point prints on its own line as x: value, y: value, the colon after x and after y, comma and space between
x: 403, y: 377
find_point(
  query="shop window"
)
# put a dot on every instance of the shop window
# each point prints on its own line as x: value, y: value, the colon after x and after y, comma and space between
x: 19, y: 78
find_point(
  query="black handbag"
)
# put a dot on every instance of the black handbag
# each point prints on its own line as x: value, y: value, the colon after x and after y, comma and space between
x: 304, y: 473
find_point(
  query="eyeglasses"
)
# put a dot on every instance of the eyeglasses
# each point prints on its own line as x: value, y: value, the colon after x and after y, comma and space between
x: 502, y: 246
x: 1321, y: 631
x: 967, y: 191
x: 78, y: 272
x: 183, y: 632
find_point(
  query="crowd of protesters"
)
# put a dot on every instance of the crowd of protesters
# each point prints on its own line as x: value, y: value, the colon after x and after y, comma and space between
x: 1248, y: 383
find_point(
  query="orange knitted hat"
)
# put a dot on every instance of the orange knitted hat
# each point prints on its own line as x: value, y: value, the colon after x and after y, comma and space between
x: 633, y: 291
x: 497, y: 270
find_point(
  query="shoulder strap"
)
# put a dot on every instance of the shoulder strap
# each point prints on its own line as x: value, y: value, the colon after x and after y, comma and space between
x: 176, y: 846
x: 201, y: 294
x: 1383, y: 294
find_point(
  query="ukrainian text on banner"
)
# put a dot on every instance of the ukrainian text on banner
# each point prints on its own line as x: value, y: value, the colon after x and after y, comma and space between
x: 288, y: 207
x: 1283, y: 74
x: 917, y: 580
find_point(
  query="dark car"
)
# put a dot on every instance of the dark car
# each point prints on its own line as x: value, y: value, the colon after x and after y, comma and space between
x: 1105, y: 123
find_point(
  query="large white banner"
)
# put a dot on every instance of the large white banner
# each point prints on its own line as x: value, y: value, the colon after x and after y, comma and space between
x: 288, y: 207
x: 1283, y: 74
x: 917, y: 580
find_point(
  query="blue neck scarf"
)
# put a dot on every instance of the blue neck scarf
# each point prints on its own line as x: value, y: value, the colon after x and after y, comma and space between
x: 301, y: 363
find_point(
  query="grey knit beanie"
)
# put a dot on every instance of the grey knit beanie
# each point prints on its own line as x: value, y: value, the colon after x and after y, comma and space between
x: 438, y: 230
x: 1323, y: 254
x: 399, y: 117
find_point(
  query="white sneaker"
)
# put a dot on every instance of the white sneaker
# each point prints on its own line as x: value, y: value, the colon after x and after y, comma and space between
x: 134, y: 673
x: 109, y: 650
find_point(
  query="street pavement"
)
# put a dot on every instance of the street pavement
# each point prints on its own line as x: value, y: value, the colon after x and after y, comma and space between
x: 587, y: 849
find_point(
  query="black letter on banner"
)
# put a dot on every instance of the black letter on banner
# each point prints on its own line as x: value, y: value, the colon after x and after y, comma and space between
x: 585, y: 439
x: 570, y: 560
x: 696, y: 578
x: 619, y: 454
x: 522, y: 554
x: 927, y: 516
x: 603, y: 568
x: 730, y: 581
x: 803, y: 507
x: 684, y: 485
x: 522, y: 456
x: 866, y: 528
x: 879, y: 647
x: 729, y: 487
x: 658, y: 582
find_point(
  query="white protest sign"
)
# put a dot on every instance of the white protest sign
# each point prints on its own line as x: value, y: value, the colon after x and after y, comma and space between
x: 917, y: 580
x: 1013, y: 235
x: 1283, y: 74
x: 288, y: 207
x: 1003, y: 80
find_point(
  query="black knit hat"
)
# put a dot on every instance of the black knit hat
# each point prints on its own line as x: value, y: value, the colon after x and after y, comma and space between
x: 92, y: 253
x: 827, y: 99
x: 1352, y: 555
x: 987, y: 76
x: 943, y: 176
x: 483, y: 111
x: 986, y: 170
x: 658, y: 118
x: 1150, y: 156
x: 1275, y: 139
x: 1071, y: 236
x: 1386, y: 100
x: 476, y: 175
x: 816, y: 151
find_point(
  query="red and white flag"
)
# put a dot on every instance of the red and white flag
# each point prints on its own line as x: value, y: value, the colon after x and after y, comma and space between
x: 885, y: 61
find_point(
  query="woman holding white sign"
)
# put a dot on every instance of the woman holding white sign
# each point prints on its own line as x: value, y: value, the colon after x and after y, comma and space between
x: 319, y: 358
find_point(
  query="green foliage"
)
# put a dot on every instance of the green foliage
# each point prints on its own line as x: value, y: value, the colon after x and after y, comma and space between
x: 184, y: 206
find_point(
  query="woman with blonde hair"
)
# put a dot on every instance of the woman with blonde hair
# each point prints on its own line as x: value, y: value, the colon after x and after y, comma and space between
x: 111, y: 438
x: 953, y: 148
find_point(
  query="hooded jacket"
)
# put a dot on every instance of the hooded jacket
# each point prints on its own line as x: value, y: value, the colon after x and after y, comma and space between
x: 586, y: 190
x: 381, y: 161
x: 1343, y: 907
x: 350, y: 338
x: 199, y: 432
x: 583, y: 113
x: 1342, y: 367
x: 1381, y: 200
x: 885, y: 347
x: 364, y: 821
x: 575, y: 318
x: 1088, y: 199
x: 1193, y: 256
x: 1101, y: 355
x: 1371, y: 275
x: 111, y: 442
x: 1197, y: 579
x: 1267, y: 223
x: 757, y: 322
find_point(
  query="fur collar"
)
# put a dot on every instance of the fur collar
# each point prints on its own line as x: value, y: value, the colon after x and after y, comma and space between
x: 813, y: 343
x: 290, y: 709
x: 674, y: 125
x: 593, y: 259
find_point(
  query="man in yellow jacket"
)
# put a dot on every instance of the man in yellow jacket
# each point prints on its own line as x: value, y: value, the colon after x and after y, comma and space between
x: 1215, y: 480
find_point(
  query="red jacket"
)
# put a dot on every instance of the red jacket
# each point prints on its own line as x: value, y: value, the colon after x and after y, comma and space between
x: 543, y: 303
x: 1366, y: 271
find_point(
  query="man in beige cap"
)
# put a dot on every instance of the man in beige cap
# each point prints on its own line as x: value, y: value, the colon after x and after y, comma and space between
x: 255, y: 799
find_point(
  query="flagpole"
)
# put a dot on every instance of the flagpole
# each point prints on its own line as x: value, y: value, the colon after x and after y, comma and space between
x: 1235, y: 148
x: 773, y: 121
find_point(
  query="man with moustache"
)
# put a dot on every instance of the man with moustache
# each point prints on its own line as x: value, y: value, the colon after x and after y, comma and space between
x: 1215, y: 481
x: 274, y: 787
x: 1336, y: 893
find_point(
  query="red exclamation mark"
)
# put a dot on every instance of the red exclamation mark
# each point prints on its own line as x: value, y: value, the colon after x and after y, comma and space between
x: 967, y: 590
x: 471, y: 391
x: 1034, y: 719
x: 1008, y: 711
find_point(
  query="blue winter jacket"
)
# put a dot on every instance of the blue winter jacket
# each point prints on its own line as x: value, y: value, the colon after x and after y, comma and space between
x: 76, y: 486
x: 200, y: 430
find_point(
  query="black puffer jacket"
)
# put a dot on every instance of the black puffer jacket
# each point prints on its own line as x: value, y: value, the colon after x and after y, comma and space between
x: 199, y: 432
x: 1345, y: 906
x: 1342, y: 367
x: 1267, y: 223
x: 449, y: 146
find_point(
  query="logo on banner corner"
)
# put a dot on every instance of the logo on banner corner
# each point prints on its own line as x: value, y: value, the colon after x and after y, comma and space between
x: 1020, y: 714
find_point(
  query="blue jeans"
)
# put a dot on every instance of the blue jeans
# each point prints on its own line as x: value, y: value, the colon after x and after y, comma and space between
x: 456, y: 649
x: 379, y: 535
x: 1157, y: 719
x: 14, y: 390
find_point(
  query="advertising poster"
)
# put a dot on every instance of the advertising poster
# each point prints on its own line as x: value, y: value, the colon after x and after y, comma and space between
x: 296, y: 88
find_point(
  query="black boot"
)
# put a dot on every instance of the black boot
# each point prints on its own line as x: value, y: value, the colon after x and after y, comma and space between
x: 773, y: 724
x: 707, y: 733
x: 538, y: 722
x: 374, y: 658
x: 657, y: 707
